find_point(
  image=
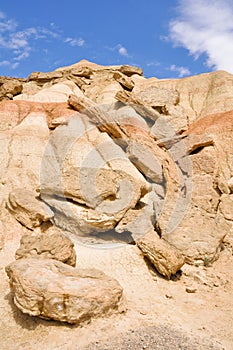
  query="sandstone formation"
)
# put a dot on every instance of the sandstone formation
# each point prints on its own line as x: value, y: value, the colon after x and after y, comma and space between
x: 137, y: 173
x: 53, y: 290
x: 50, y: 244
x: 109, y: 156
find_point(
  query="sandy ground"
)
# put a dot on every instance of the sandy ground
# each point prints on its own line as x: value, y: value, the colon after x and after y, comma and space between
x: 160, y: 314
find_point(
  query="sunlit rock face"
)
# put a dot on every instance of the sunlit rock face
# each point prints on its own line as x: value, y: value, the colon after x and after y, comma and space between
x: 114, y: 155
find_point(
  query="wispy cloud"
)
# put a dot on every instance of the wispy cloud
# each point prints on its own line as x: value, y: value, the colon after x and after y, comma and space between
x: 122, y: 50
x: 5, y: 62
x: 75, y: 42
x: 205, y: 27
x: 153, y: 64
x: 182, y: 71
x: 20, y: 43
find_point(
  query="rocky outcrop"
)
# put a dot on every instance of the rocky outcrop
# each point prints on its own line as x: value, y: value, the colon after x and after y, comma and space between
x: 53, y: 290
x: 109, y: 149
x: 50, y: 244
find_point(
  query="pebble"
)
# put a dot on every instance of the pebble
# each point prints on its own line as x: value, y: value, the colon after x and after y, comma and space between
x: 168, y: 296
x: 191, y: 289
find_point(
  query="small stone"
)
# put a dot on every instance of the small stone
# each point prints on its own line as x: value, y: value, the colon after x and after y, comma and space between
x: 168, y: 296
x: 191, y: 289
x: 143, y: 312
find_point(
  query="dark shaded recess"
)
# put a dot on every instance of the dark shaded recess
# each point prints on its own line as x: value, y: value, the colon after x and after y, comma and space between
x: 197, y: 150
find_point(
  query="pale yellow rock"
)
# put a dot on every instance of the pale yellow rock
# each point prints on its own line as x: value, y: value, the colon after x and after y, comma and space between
x: 50, y: 289
x: 1, y: 235
x: 79, y: 219
x: 142, y: 219
x: 166, y: 259
x: 230, y: 184
x: 21, y: 151
x: 27, y: 209
x: 226, y: 206
x: 56, y: 93
x: 88, y: 167
x: 42, y: 77
x: 50, y: 244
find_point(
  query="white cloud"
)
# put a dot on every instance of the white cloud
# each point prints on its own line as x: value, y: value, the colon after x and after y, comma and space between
x: 75, y: 42
x: 182, y: 71
x: 7, y: 25
x: 15, y: 65
x: 123, y: 51
x: 4, y: 63
x: 22, y: 56
x: 205, y: 27
x: 153, y: 64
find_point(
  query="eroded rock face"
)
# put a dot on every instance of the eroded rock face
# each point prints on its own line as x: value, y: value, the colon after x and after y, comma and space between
x: 53, y: 290
x: 50, y: 244
x: 209, y: 144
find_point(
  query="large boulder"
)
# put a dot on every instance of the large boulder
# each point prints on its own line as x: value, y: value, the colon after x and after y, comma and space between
x: 53, y: 290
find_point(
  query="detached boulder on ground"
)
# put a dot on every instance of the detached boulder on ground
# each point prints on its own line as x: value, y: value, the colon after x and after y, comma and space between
x: 27, y: 209
x: 49, y: 245
x: 52, y: 290
x: 166, y: 259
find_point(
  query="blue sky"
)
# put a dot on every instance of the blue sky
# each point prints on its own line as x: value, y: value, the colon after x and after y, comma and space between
x: 166, y: 38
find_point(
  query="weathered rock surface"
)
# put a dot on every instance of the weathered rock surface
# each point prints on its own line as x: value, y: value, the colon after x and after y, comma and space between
x: 53, y: 290
x: 86, y: 166
x: 58, y: 92
x: 28, y: 209
x: 166, y: 259
x: 1, y: 236
x: 96, y: 139
x: 79, y: 219
x: 50, y: 244
x: 10, y: 87
x: 142, y: 219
